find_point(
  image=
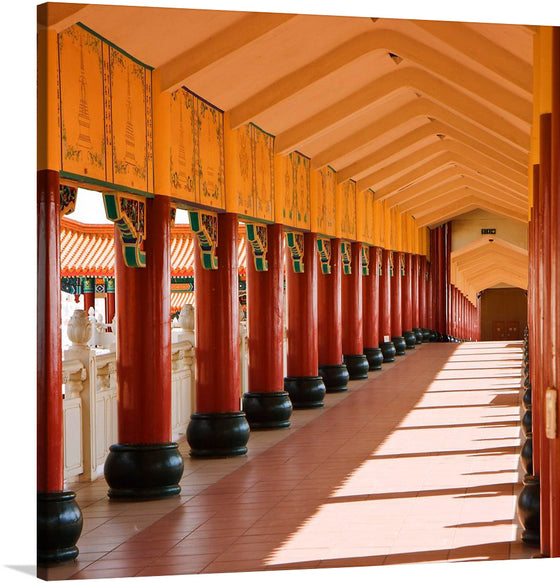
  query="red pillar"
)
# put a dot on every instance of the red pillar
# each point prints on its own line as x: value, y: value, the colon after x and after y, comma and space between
x: 329, y: 326
x: 133, y: 468
x: 305, y: 387
x: 545, y: 353
x: 110, y: 301
x: 267, y: 405
x: 396, y: 307
x: 422, y: 277
x: 89, y: 294
x: 385, y: 343
x: 416, y: 298
x: 407, y: 332
x: 555, y: 286
x: 218, y: 428
x: 371, y: 311
x: 453, y: 312
x: 352, y: 317
x: 59, y: 520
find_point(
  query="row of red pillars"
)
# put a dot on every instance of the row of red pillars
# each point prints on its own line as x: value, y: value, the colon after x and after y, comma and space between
x: 357, y: 314
x: 542, y: 488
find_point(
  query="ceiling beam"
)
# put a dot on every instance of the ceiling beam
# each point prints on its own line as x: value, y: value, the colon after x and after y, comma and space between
x: 446, y: 213
x: 58, y: 16
x: 434, y: 164
x: 411, y: 138
x: 390, y: 41
x: 223, y: 43
x: 515, y: 144
x: 421, y: 82
x: 411, y: 203
x: 455, y: 194
x: 443, y: 177
x: 482, y: 50
x: 445, y: 145
x: 509, y: 211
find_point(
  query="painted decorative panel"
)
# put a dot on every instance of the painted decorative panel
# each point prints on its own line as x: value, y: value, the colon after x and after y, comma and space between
x: 347, y: 209
x: 130, y: 99
x: 197, y: 150
x: 366, y: 222
x: 81, y: 103
x: 286, y: 211
x: 293, y: 204
x: 323, y: 201
x: 263, y: 165
x: 250, y: 173
x: 302, y: 166
x: 240, y: 183
x: 210, y: 155
x: 183, y: 144
x: 105, y: 99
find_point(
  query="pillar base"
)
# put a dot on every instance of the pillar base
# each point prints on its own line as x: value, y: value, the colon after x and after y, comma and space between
x: 218, y: 434
x: 357, y: 365
x: 143, y: 471
x: 400, y: 345
x: 419, y: 335
x: 375, y: 358
x: 426, y: 334
x: 59, y: 525
x: 527, y: 398
x: 305, y: 392
x: 527, y: 422
x: 526, y: 454
x: 269, y: 410
x: 528, y: 511
x: 409, y: 338
x: 388, y: 350
x: 335, y: 377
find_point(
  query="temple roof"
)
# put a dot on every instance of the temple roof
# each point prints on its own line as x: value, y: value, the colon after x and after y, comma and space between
x: 88, y: 251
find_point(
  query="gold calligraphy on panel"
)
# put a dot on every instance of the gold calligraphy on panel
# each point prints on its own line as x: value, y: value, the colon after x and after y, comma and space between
x: 263, y: 166
x: 323, y: 201
x: 81, y: 103
x: 105, y: 100
x: 182, y: 155
x: 128, y: 110
x: 197, y: 150
x: 347, y: 200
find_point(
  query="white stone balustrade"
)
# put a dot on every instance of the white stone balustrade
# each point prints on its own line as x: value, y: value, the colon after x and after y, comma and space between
x: 74, y: 375
x: 90, y: 391
x: 90, y: 396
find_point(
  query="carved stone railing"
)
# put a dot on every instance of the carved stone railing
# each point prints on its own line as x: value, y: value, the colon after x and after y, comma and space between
x: 74, y: 375
x: 104, y: 367
x: 182, y: 387
x: 90, y: 393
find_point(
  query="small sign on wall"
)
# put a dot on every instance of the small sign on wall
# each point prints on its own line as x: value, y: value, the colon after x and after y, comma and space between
x: 488, y: 231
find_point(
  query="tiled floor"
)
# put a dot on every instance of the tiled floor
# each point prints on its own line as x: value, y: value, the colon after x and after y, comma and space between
x: 419, y: 463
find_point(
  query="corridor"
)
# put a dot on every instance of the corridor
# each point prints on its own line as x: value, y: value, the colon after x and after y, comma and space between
x: 419, y: 463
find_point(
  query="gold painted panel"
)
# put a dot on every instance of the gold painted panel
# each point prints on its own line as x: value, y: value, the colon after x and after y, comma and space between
x: 323, y: 201
x: 301, y: 168
x: 81, y: 103
x: 287, y: 203
x: 366, y: 217
x: 347, y: 205
x: 210, y: 155
x: 183, y: 141
x: 131, y: 150
x: 263, y: 168
x: 240, y: 185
